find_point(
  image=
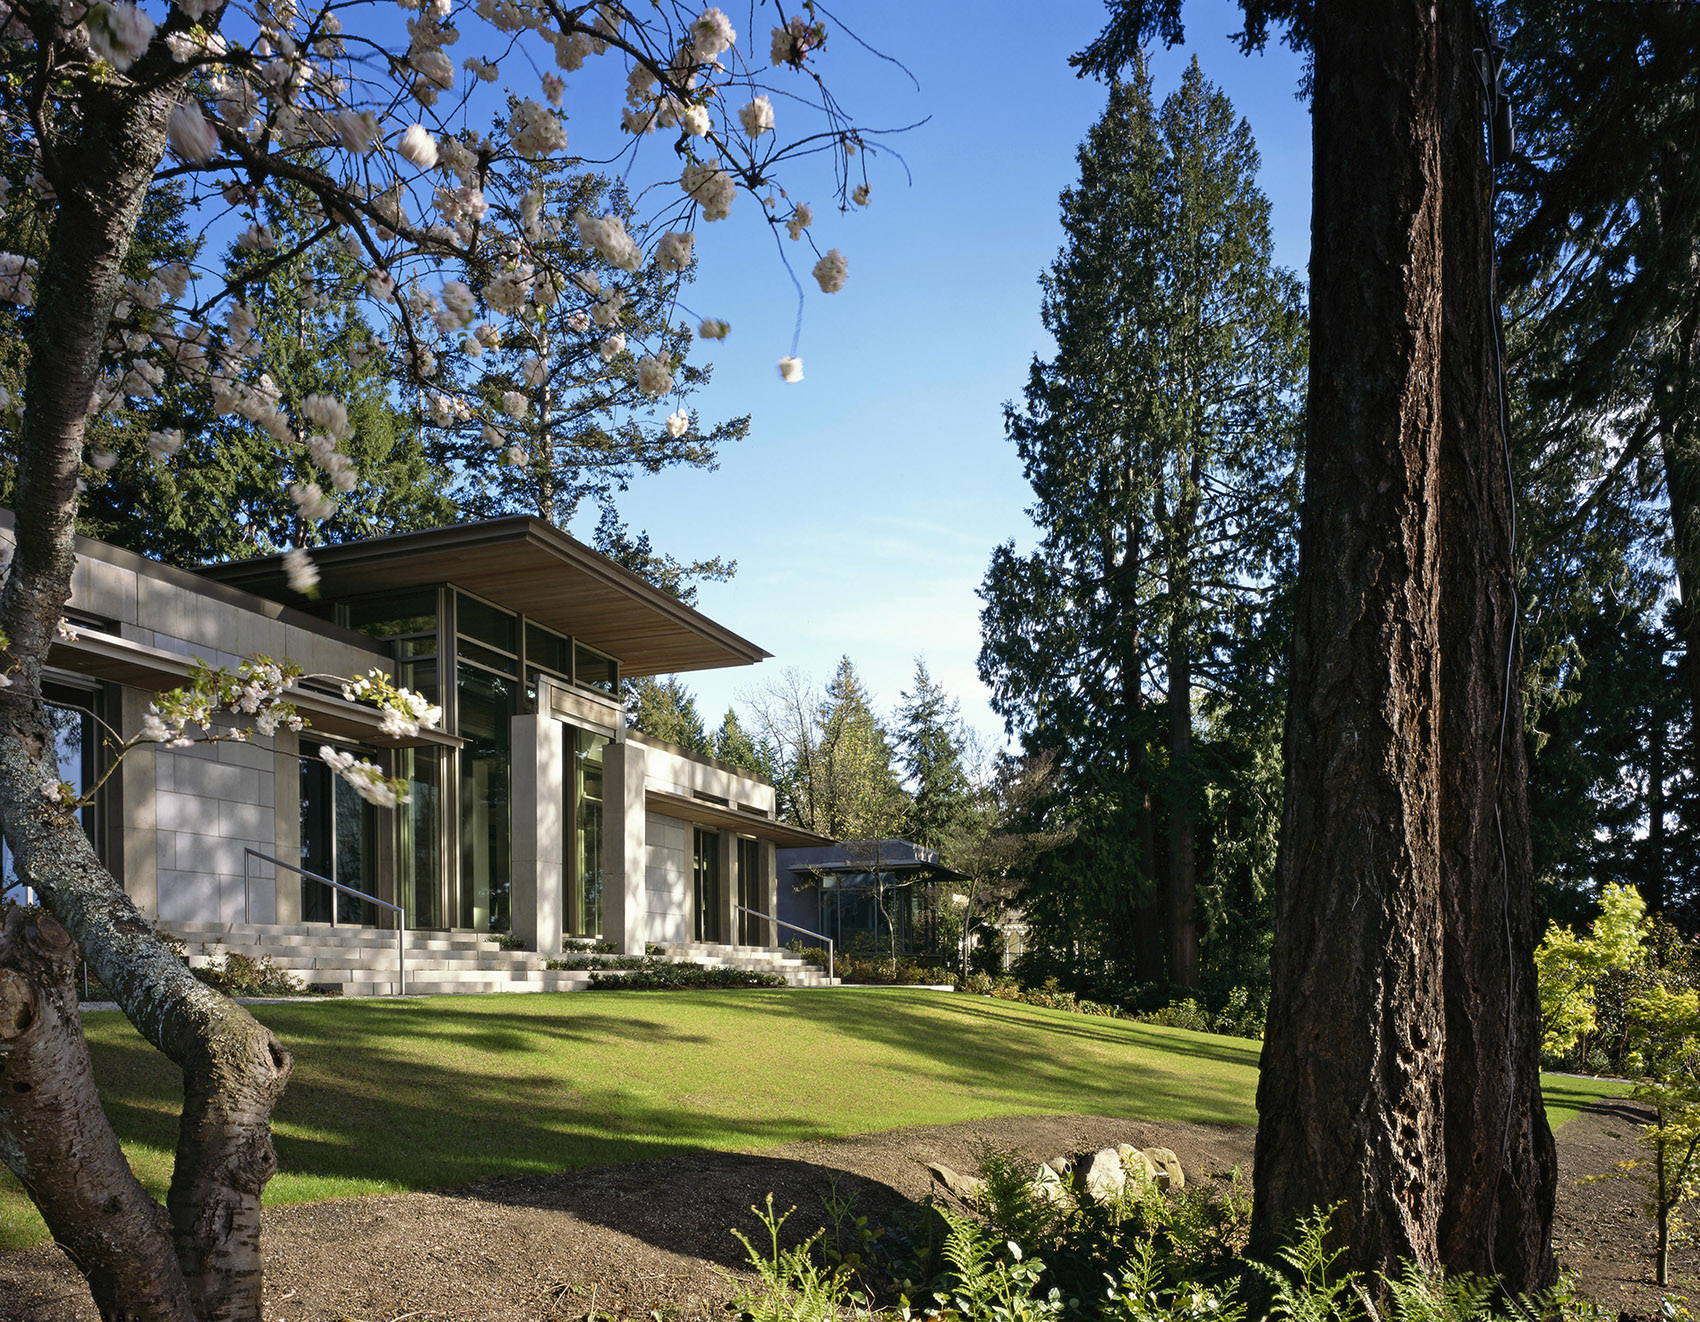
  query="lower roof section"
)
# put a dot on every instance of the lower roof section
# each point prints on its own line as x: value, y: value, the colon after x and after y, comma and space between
x: 526, y: 565
x: 717, y: 817
x: 122, y: 661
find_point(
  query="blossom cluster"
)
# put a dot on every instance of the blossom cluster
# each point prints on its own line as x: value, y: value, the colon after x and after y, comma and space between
x: 223, y: 704
x: 291, y: 133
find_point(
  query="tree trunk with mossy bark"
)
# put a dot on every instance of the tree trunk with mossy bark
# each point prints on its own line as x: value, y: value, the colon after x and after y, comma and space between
x: 200, y: 1259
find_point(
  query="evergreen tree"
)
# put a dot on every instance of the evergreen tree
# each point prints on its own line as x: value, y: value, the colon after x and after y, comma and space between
x: 223, y: 495
x: 733, y: 744
x: 930, y: 744
x: 663, y: 707
x: 1159, y: 443
x: 588, y: 429
x: 845, y: 784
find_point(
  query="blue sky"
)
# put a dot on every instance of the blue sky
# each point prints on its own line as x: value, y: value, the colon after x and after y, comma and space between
x: 864, y: 506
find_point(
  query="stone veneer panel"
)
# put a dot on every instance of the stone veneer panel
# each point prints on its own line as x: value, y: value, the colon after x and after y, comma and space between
x: 667, y: 878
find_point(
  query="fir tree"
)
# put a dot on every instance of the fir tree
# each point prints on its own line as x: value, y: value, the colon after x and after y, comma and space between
x: 930, y: 742
x: 1159, y: 443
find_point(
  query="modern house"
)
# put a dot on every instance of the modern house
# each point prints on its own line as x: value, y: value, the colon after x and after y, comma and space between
x: 858, y: 890
x: 534, y: 813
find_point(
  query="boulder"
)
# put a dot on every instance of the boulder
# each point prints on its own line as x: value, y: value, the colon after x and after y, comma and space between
x: 1141, y: 1170
x: 1051, y: 1186
x: 1100, y: 1175
x: 965, y: 1187
x: 1170, y: 1177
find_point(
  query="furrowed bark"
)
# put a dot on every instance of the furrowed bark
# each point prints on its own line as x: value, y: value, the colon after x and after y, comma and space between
x: 1501, y: 1176
x: 55, y: 1138
x: 234, y: 1069
x: 1349, y: 1100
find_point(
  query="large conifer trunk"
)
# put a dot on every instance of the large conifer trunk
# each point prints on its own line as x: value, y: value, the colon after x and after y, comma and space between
x: 1400, y: 1069
x: 1500, y: 1163
x: 1349, y: 1101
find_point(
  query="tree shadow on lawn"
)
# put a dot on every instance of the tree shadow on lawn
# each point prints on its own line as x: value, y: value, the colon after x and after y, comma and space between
x: 690, y: 1203
x: 981, y: 1013
x: 394, y: 1096
x: 356, y: 1111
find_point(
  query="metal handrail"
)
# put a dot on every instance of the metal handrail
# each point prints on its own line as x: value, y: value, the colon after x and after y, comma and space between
x: 780, y: 922
x: 400, y: 913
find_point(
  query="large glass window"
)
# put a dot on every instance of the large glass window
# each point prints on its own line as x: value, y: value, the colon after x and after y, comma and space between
x: 751, y: 929
x: 584, y: 882
x: 486, y: 704
x: 70, y: 716
x: 339, y: 837
x: 405, y: 614
x: 487, y: 624
x: 707, y: 887
x: 419, y: 828
x: 595, y: 670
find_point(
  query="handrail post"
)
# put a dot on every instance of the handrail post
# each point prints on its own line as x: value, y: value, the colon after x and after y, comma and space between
x: 249, y: 852
x: 248, y: 889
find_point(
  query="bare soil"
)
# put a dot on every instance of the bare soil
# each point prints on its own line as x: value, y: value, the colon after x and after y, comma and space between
x: 654, y: 1237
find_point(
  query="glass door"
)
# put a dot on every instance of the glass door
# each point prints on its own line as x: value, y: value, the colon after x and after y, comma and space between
x: 751, y: 930
x: 339, y: 832
x: 707, y: 887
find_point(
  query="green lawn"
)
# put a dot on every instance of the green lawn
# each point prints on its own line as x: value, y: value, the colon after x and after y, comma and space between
x: 422, y: 1094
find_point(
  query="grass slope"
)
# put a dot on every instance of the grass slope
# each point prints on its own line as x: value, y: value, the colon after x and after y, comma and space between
x: 423, y: 1094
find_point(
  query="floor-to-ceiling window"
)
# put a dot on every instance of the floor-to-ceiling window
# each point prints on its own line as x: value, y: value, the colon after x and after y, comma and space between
x: 419, y: 837
x: 71, y: 716
x: 486, y: 701
x: 339, y: 840
x: 584, y: 878
x: 408, y: 621
x: 706, y: 887
x: 751, y: 929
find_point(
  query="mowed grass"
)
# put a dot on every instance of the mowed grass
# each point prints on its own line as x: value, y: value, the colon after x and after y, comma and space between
x: 393, y: 1095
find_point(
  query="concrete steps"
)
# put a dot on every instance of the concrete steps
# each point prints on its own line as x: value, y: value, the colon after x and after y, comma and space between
x: 361, y: 961
x: 797, y: 972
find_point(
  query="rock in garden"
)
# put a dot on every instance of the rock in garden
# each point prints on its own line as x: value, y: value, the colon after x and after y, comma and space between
x: 1050, y: 1186
x: 1141, y: 1170
x: 1170, y: 1177
x: 965, y: 1187
x: 1100, y: 1174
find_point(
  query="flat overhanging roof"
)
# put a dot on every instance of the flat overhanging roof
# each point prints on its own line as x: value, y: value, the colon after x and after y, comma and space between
x: 526, y: 565
x: 123, y: 661
x: 715, y: 817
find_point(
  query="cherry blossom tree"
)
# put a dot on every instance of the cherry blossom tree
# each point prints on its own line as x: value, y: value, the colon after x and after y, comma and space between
x: 357, y: 116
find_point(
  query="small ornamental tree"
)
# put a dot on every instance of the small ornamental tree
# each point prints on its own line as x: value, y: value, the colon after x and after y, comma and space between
x: 357, y: 118
x: 1664, y: 1041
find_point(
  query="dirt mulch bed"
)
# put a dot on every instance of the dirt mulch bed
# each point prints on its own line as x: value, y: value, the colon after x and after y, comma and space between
x: 655, y: 1235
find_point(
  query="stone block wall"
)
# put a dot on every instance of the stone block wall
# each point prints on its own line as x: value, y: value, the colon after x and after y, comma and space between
x: 668, y: 850
x: 212, y: 802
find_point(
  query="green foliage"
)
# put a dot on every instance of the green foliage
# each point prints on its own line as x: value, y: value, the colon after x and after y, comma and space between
x: 667, y: 976
x: 930, y: 742
x: 1145, y: 637
x: 242, y: 975
x: 793, y: 1288
x: 1304, y: 1286
x: 663, y: 707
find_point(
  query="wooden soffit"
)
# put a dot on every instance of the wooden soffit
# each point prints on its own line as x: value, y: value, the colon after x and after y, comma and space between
x: 525, y: 565
x: 137, y: 665
x: 715, y: 817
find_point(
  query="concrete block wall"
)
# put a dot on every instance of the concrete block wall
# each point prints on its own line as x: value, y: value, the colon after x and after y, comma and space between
x: 668, y: 853
x: 188, y: 814
x: 678, y: 773
x: 211, y: 803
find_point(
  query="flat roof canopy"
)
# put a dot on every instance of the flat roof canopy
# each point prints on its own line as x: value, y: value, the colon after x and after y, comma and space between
x: 715, y: 817
x: 123, y: 661
x: 525, y: 565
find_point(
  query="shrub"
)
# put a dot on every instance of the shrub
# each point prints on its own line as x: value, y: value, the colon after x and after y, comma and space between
x: 239, y: 975
x: 681, y: 977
